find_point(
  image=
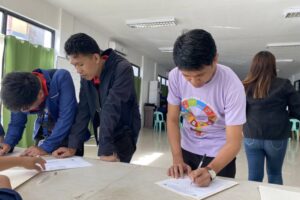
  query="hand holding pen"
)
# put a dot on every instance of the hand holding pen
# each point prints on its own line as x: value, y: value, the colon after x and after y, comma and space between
x: 200, y: 176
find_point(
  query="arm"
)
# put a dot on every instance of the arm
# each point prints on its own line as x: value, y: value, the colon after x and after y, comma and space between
x: 293, y: 101
x: 174, y: 132
x: 14, y: 132
x: 36, y: 163
x: 67, y: 111
x: 230, y: 149
x: 111, y: 110
x: 179, y: 167
x: 227, y: 153
x: 79, y: 128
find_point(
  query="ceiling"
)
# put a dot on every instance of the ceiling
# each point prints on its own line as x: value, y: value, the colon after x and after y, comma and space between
x: 240, y: 28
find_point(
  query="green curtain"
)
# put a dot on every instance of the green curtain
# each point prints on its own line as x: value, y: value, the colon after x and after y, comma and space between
x: 137, y: 86
x: 24, y: 56
x: 164, y: 90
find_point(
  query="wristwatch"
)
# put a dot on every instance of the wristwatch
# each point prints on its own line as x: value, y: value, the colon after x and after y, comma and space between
x: 211, y: 172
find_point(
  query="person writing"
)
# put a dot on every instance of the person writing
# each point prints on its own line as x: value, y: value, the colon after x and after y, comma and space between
x: 211, y: 99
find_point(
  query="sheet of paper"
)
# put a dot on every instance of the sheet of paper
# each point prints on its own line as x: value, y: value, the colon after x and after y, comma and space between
x: 18, y: 176
x: 269, y: 193
x: 66, y: 163
x: 184, y: 187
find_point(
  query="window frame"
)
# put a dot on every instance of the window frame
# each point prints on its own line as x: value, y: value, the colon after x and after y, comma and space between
x: 162, y: 79
x: 29, y: 21
x: 139, y: 70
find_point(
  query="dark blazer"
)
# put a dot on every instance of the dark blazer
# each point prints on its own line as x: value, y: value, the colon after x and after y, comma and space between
x: 113, y: 106
x: 268, y: 118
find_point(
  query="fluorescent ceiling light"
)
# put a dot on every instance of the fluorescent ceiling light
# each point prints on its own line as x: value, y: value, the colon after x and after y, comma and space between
x: 284, y: 44
x: 284, y: 60
x: 151, y: 22
x: 292, y: 12
x: 227, y: 27
x: 166, y: 49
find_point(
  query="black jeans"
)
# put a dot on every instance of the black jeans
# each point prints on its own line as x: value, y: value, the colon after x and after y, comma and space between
x: 193, y: 160
x: 125, y: 145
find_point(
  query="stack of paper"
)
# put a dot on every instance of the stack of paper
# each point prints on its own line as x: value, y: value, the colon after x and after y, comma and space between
x: 18, y: 176
x: 184, y: 187
x: 66, y: 163
x: 269, y: 193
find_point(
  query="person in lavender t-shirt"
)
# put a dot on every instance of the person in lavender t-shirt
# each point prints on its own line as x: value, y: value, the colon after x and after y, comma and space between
x: 211, y: 99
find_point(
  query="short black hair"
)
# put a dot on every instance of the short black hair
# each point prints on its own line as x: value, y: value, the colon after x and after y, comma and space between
x: 194, y: 49
x: 81, y: 43
x: 19, y: 90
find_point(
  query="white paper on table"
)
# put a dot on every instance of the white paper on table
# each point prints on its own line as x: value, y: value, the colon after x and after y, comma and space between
x: 18, y: 176
x: 269, y: 193
x: 184, y: 187
x: 66, y: 163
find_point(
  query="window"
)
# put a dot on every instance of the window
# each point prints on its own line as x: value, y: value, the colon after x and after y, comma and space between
x: 25, y: 29
x: 162, y: 80
x: 136, y: 70
x: 1, y: 20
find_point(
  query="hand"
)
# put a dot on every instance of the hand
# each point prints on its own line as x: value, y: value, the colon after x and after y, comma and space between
x: 34, y: 151
x: 4, y: 149
x: 200, y: 177
x: 64, y: 152
x: 178, y: 169
x: 36, y: 163
x: 111, y: 158
x: 4, y: 182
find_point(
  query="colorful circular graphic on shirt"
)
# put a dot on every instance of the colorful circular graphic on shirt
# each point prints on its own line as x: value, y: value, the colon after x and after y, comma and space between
x: 186, y: 111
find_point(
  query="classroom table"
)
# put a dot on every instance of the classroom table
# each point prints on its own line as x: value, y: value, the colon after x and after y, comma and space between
x: 119, y: 181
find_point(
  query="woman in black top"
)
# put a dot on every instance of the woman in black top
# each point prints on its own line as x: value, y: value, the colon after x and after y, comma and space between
x: 271, y: 102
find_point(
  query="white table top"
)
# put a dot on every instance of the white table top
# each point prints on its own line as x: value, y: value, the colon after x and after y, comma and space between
x: 119, y: 181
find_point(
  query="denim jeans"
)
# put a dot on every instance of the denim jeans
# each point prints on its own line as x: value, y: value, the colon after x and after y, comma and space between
x: 273, y: 151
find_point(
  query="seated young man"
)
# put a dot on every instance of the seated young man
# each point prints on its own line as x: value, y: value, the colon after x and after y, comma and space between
x: 6, y: 192
x: 49, y: 94
x: 211, y: 99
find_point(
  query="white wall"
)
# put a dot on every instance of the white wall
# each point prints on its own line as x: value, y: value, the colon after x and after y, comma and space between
x: 147, y: 73
x: 36, y: 10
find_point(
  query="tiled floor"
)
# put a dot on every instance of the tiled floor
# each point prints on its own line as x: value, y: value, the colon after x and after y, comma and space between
x: 153, y: 150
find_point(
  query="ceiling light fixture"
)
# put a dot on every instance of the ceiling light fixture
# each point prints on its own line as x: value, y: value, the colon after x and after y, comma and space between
x: 166, y: 49
x: 227, y: 27
x: 284, y: 60
x: 151, y: 22
x: 284, y: 44
x: 292, y: 12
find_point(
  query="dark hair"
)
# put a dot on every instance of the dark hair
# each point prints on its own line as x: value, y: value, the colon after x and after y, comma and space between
x: 194, y: 49
x: 19, y: 90
x: 81, y: 43
x: 262, y: 71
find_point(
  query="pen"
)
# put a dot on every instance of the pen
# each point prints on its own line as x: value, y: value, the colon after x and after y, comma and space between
x: 200, y: 164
